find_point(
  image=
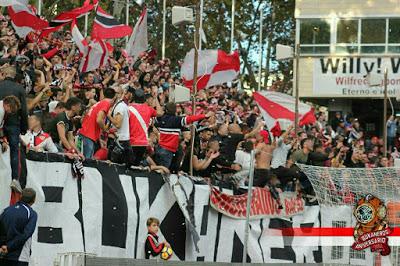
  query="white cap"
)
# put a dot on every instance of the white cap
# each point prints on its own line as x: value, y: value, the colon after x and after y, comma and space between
x: 52, y: 106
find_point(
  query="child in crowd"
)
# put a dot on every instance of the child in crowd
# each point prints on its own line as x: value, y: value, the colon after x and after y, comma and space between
x: 152, y: 247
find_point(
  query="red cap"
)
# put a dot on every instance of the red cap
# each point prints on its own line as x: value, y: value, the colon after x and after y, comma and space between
x: 101, y: 154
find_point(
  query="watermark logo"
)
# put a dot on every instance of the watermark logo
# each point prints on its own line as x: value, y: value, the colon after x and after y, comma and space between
x: 372, y: 229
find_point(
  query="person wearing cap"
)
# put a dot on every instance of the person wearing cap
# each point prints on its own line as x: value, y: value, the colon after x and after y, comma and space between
x: 170, y: 126
x: 119, y: 118
x: 145, y: 107
x: 340, y: 130
x: 17, y: 123
x: 25, y: 72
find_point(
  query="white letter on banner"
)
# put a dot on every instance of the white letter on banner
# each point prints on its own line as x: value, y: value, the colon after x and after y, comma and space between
x: 160, y: 208
x: 92, y: 204
x: 272, y: 238
x: 54, y: 216
x: 132, y: 215
x: 206, y: 226
x: 304, y: 246
x: 231, y: 226
x: 92, y: 201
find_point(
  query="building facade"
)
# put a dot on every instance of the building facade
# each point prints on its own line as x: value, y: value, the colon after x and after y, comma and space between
x: 341, y: 42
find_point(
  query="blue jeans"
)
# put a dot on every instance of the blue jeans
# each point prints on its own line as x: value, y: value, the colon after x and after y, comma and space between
x: 88, y: 147
x: 163, y: 157
x: 13, y: 133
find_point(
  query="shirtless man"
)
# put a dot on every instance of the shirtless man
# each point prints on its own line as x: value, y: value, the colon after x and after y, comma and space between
x: 262, y: 172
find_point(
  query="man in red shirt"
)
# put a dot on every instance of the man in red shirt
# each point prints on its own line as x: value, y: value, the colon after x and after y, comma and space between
x: 94, y: 122
x: 141, y: 113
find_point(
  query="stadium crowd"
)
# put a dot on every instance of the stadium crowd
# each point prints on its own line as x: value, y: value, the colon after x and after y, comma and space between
x: 123, y: 113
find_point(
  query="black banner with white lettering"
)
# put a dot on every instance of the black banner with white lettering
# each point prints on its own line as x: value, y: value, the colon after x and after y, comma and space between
x: 105, y: 214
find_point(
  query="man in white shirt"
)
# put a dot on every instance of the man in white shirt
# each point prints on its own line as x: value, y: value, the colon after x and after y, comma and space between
x: 119, y: 117
x: 36, y: 139
x: 279, y: 158
x: 243, y: 158
x: 9, y: 105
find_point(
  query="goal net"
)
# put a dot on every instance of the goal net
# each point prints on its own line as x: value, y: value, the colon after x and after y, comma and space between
x: 337, y: 191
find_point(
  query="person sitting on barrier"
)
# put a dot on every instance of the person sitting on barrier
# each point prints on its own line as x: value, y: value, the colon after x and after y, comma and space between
x: 263, y: 164
x: 152, y: 246
x: 9, y: 105
x: 263, y: 176
x: 36, y: 139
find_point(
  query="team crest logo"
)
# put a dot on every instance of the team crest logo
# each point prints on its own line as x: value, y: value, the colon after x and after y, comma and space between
x: 372, y: 228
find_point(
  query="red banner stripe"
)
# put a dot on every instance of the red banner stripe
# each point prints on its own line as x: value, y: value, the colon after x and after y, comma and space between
x: 320, y: 231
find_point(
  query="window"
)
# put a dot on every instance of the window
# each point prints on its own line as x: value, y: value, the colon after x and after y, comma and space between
x: 347, y: 31
x: 315, y: 35
x: 314, y: 31
x: 347, y: 36
x: 394, y: 30
x: 373, y: 30
x: 373, y: 33
x: 353, y: 36
x: 394, y: 35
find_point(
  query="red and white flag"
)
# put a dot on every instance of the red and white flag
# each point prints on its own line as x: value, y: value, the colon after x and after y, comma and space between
x: 14, y: 2
x: 78, y: 38
x: 215, y: 67
x: 138, y: 42
x: 278, y: 110
x: 66, y: 17
x: 96, y: 56
x: 106, y: 26
x: 24, y: 20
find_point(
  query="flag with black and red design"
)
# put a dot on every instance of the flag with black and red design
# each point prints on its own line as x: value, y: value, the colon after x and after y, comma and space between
x: 66, y: 18
x: 106, y: 26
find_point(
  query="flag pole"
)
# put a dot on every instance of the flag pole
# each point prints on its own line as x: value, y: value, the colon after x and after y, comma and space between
x: 39, y: 7
x: 127, y: 19
x: 86, y: 24
x: 164, y: 27
x: 296, y: 110
x: 385, y: 97
x: 248, y: 206
x: 233, y: 24
x: 201, y: 22
x: 194, y: 90
x: 261, y: 50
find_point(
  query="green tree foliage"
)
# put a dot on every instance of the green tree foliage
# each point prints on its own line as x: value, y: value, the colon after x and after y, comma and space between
x: 278, y: 23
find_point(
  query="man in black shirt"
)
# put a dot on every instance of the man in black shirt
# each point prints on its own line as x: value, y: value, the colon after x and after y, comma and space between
x: 17, y: 123
x: 61, y: 127
x: 355, y: 160
x: 318, y: 157
x: 230, y: 136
